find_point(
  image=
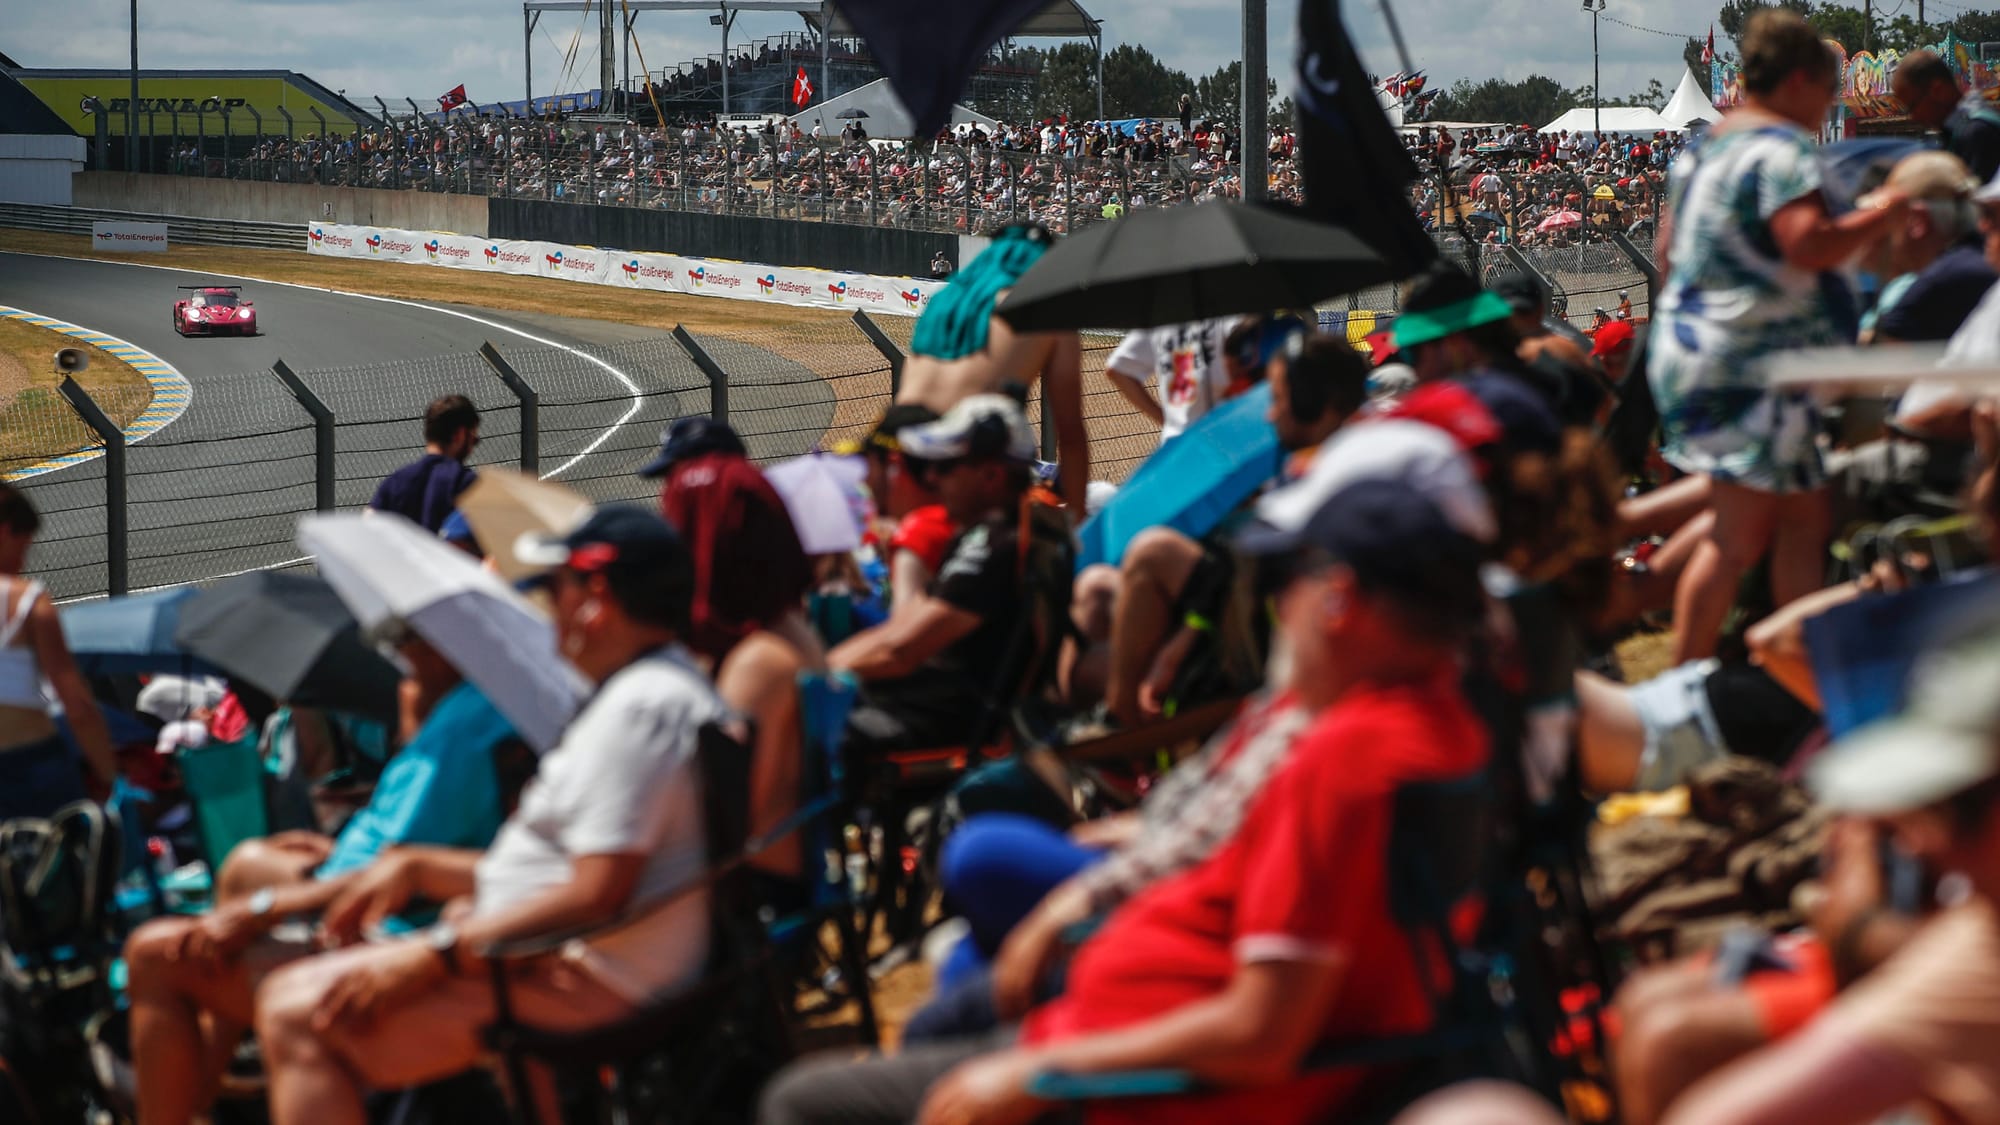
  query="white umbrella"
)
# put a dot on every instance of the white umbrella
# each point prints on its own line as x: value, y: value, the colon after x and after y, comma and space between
x: 387, y: 568
x: 822, y: 491
x: 503, y: 505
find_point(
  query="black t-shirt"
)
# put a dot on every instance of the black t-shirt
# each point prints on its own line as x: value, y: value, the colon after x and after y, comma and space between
x: 1974, y: 137
x: 981, y: 575
x: 1757, y: 717
x: 425, y: 490
x: 1941, y: 297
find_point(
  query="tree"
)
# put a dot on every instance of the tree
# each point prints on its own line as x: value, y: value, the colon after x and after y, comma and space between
x: 1847, y: 26
x: 1973, y: 27
x: 1691, y: 55
x: 1284, y: 115
x: 1068, y: 82
x: 1136, y: 84
x: 1534, y: 100
x: 1219, y: 96
x: 1736, y: 13
x: 1654, y: 96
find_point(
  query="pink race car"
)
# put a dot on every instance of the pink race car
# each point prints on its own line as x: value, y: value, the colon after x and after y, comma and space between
x: 214, y: 310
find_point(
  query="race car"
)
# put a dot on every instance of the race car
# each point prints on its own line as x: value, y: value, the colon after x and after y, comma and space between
x: 214, y: 310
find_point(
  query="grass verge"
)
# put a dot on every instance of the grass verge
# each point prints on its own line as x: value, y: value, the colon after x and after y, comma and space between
x: 35, y: 422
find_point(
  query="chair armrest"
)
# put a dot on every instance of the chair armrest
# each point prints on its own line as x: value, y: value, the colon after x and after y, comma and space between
x: 1061, y: 1086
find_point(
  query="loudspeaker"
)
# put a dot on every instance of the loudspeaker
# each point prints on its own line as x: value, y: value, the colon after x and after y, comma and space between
x: 69, y: 361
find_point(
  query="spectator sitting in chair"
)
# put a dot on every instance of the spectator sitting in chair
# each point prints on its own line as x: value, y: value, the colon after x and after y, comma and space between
x: 926, y: 674
x: 192, y: 979
x: 609, y: 830
x: 913, y: 523
x: 1237, y: 967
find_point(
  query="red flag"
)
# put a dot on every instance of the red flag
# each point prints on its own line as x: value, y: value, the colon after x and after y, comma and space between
x: 453, y: 98
x: 802, y: 88
x: 1708, y: 51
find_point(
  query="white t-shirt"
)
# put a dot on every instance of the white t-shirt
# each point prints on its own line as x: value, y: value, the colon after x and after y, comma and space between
x: 622, y: 781
x: 1185, y: 360
x: 1976, y: 342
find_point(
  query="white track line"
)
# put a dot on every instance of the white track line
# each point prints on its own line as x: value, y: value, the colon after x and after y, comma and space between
x: 632, y: 389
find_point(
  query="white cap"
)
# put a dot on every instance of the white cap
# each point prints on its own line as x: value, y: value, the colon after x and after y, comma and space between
x: 990, y: 425
x: 1946, y: 740
x: 1419, y: 455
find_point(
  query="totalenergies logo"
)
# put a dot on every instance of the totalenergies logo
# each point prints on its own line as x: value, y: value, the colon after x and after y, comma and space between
x: 698, y: 275
x: 911, y: 297
x: 431, y: 249
x: 631, y: 269
x: 839, y: 291
x: 554, y: 260
x: 374, y: 244
x: 492, y: 255
x: 315, y: 235
x: 765, y: 284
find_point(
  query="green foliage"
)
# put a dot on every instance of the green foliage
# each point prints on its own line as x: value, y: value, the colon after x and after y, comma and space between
x: 1068, y: 82
x: 1219, y: 96
x: 1534, y: 100
x: 1137, y: 84
x: 1736, y: 13
x: 1691, y: 55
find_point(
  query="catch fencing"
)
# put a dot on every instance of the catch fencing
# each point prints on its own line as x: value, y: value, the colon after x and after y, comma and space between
x: 220, y: 491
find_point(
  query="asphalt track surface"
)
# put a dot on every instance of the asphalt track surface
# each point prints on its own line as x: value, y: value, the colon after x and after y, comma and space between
x: 219, y: 490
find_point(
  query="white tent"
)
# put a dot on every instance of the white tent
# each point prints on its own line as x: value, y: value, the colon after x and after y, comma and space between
x: 886, y: 116
x: 1689, y: 104
x: 1617, y: 119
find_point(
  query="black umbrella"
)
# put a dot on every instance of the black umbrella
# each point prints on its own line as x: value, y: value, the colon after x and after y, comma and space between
x: 1174, y: 264
x: 289, y: 636
x: 855, y: 112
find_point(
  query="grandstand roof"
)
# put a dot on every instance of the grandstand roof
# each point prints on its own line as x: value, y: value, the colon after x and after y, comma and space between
x: 1061, y: 19
x: 21, y: 112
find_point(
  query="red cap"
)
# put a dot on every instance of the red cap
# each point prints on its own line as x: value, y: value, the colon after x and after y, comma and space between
x: 1614, y: 336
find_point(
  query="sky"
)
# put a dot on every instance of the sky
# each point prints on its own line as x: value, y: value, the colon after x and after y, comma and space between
x: 395, y: 48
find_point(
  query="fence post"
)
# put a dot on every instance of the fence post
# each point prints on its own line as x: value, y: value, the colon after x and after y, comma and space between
x: 115, y: 528
x: 531, y: 407
x: 322, y: 417
x: 718, y: 379
x: 886, y: 346
x: 1644, y: 264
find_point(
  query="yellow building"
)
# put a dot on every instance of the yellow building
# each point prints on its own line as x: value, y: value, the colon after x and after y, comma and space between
x: 184, y: 102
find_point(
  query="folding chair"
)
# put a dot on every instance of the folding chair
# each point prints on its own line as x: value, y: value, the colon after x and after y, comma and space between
x: 1438, y: 853
x: 730, y: 1021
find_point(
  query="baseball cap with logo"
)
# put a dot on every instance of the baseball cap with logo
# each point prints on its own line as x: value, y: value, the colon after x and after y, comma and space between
x: 979, y: 426
x: 629, y: 546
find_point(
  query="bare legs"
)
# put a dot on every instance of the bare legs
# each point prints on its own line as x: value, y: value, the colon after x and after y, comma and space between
x: 1748, y: 522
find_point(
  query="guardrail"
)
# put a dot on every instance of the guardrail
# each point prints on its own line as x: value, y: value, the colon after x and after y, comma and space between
x: 182, y: 230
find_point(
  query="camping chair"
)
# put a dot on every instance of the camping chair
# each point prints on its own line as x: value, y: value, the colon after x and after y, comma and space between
x: 1438, y: 859
x: 728, y: 1027
x: 901, y: 783
x: 225, y: 784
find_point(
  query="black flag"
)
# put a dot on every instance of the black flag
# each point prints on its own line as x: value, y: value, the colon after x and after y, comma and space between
x: 1355, y: 170
x: 929, y: 48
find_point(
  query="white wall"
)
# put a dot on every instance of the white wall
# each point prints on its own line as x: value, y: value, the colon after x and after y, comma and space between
x: 37, y: 169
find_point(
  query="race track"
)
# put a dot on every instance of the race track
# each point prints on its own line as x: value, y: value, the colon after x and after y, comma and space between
x: 219, y: 490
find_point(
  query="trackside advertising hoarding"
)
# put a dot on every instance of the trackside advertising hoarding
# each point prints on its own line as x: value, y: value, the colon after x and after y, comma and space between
x: 128, y: 238
x: 661, y: 273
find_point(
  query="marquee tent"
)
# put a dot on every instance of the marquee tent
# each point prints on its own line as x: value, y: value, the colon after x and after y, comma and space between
x: 1617, y: 119
x: 1689, y: 104
x: 886, y: 117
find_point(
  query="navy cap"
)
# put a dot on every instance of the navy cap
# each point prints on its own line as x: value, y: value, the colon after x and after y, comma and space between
x: 1527, y: 422
x: 1393, y: 538
x: 623, y: 543
x: 1522, y: 293
x: 692, y: 437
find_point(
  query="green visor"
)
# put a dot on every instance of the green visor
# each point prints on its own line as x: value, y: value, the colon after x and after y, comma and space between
x: 1413, y: 328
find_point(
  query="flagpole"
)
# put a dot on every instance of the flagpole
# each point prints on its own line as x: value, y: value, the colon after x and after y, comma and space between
x: 1396, y: 34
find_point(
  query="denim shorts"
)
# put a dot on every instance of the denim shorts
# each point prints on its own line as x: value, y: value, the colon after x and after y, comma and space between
x: 1681, y: 731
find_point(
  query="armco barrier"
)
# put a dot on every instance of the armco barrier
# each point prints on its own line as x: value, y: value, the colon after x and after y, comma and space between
x: 182, y: 230
x: 659, y: 273
x: 284, y: 203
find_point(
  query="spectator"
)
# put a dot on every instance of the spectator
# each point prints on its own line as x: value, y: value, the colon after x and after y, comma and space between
x: 1943, y: 411
x: 1938, y: 246
x: 1184, y: 360
x: 1740, y: 289
x: 960, y: 348
x: 940, y: 266
x: 926, y: 674
x: 1236, y: 967
x: 918, y: 530
x: 609, y: 829
x: 749, y: 570
x: 425, y: 491
x: 193, y: 979
x: 1928, y: 91
x: 38, y: 771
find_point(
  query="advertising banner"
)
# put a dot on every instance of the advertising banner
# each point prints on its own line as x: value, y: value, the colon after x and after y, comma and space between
x: 129, y: 238
x: 659, y: 273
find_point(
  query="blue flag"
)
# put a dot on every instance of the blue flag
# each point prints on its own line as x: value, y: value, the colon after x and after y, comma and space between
x: 929, y: 48
x: 1354, y: 168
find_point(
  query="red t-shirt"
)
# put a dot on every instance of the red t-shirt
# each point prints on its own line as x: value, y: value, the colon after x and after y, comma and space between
x: 927, y: 532
x: 1306, y: 878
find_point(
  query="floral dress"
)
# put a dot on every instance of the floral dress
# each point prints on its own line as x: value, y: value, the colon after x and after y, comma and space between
x: 1731, y: 302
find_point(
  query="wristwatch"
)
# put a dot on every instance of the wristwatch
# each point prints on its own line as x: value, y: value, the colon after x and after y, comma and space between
x: 261, y: 902
x: 442, y: 939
